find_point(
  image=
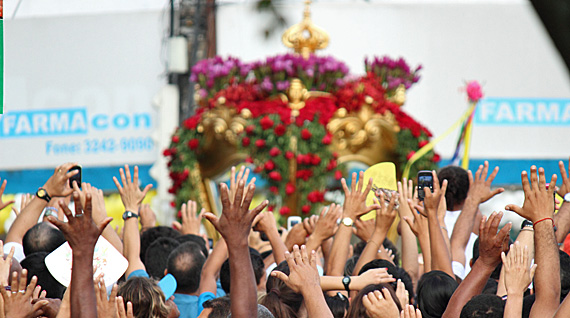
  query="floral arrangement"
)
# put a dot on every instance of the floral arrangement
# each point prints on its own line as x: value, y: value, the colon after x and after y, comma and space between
x: 268, y: 135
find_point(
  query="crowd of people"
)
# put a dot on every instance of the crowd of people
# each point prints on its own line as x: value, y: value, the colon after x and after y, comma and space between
x: 451, y: 261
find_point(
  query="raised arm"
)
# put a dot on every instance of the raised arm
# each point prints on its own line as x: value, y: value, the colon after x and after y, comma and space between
x: 409, y: 244
x: 132, y: 197
x: 81, y: 234
x: 212, y: 267
x: 325, y: 227
x: 562, y: 218
x: 491, y: 244
x: 354, y: 206
x: 419, y: 226
x: 479, y: 192
x: 538, y: 207
x: 55, y: 186
x: 266, y: 223
x: 518, y: 275
x: 235, y: 225
x: 372, y: 276
x: 526, y: 239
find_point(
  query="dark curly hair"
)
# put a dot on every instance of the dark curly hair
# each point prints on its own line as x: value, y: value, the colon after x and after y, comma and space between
x: 457, y: 185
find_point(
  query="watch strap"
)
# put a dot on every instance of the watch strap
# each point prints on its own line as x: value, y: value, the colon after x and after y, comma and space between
x: 346, y: 282
x: 45, y: 195
x: 129, y: 214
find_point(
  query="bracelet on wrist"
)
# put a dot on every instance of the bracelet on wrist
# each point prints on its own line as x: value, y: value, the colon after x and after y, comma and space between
x: 544, y: 219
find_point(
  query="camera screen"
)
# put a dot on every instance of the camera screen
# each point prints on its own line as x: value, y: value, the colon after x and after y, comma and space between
x: 422, y: 180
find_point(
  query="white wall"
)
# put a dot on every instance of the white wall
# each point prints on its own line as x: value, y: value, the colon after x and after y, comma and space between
x: 500, y: 43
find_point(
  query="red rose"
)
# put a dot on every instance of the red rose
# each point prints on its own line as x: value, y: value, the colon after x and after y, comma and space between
x: 436, y: 158
x: 331, y: 165
x: 306, y: 209
x: 171, y: 190
x: 337, y: 175
x: 191, y: 122
x: 269, y: 165
x: 266, y: 123
x: 315, y: 160
x: 245, y: 141
x: 280, y: 130
x: 258, y: 169
x: 249, y: 159
x: 249, y: 129
x: 284, y: 210
x: 410, y: 154
x: 173, y: 204
x: 275, y: 175
x: 179, y: 214
x: 274, y: 189
x: 315, y: 196
x: 270, y: 208
x: 300, y: 159
x: 169, y: 152
x: 422, y: 143
x: 260, y: 143
x: 193, y: 143
x: 290, y: 188
x: 327, y: 139
x: 289, y: 155
x: 175, y: 139
x: 335, y: 155
x: 306, y: 134
x: 274, y: 152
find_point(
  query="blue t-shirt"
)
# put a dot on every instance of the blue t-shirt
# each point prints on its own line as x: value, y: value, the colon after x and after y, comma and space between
x: 191, y: 306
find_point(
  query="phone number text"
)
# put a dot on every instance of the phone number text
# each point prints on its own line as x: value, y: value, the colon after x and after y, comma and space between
x: 93, y: 146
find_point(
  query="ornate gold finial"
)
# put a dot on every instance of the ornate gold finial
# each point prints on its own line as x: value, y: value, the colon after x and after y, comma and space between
x: 305, y: 37
x: 399, y: 96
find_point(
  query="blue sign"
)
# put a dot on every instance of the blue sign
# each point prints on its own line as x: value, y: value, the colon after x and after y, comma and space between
x: 498, y: 111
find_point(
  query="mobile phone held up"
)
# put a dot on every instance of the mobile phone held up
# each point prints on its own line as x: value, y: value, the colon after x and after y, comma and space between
x: 425, y: 180
x: 76, y: 177
x: 292, y: 220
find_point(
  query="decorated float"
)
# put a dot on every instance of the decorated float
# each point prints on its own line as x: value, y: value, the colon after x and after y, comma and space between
x: 300, y: 120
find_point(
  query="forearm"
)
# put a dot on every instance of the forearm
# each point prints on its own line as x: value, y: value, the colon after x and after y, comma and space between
x: 110, y: 235
x: 513, y: 307
x: 471, y: 286
x: 27, y: 218
x: 370, y: 251
x: 277, y: 246
x: 547, y: 277
x: 212, y: 267
x: 326, y: 246
x: 423, y: 240
x: 339, y: 251
x: 132, y: 246
x: 462, y: 230
x: 315, y: 303
x: 83, y: 301
x: 409, y: 252
x: 243, y: 292
x: 440, y: 258
x: 562, y: 221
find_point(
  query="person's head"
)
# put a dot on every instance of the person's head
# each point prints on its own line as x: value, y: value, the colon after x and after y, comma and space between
x: 196, y: 239
x: 395, y: 271
x: 185, y: 264
x: 216, y: 308
x: 338, y: 304
x: 484, y: 306
x: 258, y: 271
x: 434, y: 290
x: 145, y: 295
x: 153, y: 233
x: 357, y: 309
x: 35, y: 264
x: 42, y: 237
x: 457, y: 186
x: 157, y: 256
x: 281, y: 300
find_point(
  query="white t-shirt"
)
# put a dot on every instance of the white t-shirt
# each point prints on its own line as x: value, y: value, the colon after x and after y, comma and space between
x: 458, y: 268
x: 18, y: 250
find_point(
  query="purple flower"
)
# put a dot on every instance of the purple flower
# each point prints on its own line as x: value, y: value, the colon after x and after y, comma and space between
x: 266, y: 84
x: 282, y: 85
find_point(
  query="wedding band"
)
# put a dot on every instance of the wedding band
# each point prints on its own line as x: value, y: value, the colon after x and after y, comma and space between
x: 14, y: 292
x: 22, y: 291
x: 79, y: 215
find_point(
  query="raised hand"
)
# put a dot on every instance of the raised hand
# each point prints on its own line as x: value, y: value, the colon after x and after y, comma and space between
x: 58, y: 185
x: 190, y: 220
x: 121, y: 312
x: 235, y: 222
x: 147, y: 217
x: 326, y: 224
x: 380, y: 304
x: 432, y: 199
x: 2, y: 188
x: 106, y: 307
x: 131, y: 194
x: 5, y: 264
x: 517, y: 269
x: 18, y: 301
x: 418, y: 223
x: 302, y: 270
x: 24, y: 201
x: 310, y: 223
x: 538, y: 200
x: 364, y: 229
x: 402, y: 293
x: 491, y: 242
x: 371, y: 276
x: 265, y: 222
x: 386, y: 214
x: 479, y: 188
x: 243, y: 174
x: 410, y: 312
x: 565, y: 187
x: 355, y: 197
x: 296, y: 236
x: 406, y: 192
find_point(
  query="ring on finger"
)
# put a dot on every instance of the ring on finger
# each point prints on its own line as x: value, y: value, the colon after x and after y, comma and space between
x: 79, y: 215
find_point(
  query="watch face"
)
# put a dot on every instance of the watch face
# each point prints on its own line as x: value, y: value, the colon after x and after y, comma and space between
x: 347, y: 221
x: 345, y: 280
x: 41, y: 193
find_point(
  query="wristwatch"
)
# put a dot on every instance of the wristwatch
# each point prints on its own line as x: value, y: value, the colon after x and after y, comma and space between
x: 526, y: 223
x: 129, y: 214
x: 566, y: 197
x: 346, y: 283
x: 347, y: 221
x: 42, y: 194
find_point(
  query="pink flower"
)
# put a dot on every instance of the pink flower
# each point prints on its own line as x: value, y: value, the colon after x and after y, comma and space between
x: 474, y: 92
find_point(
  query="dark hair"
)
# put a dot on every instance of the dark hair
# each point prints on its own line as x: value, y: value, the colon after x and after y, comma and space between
x: 258, y: 271
x: 281, y: 300
x: 35, y: 264
x: 457, y: 185
x: 484, y: 306
x: 357, y: 309
x: 528, y: 301
x: 196, y: 239
x: 338, y: 304
x: 220, y: 307
x: 490, y: 287
x: 145, y: 295
x: 396, y: 272
x: 350, y: 265
x: 358, y: 248
x: 157, y: 256
x: 153, y: 233
x: 564, y: 274
x: 434, y: 290
x: 42, y: 237
x: 185, y: 264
